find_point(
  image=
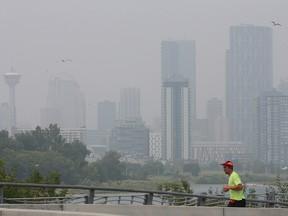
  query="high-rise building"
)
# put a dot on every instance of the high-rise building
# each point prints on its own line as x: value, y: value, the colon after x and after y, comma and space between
x: 178, y: 57
x: 207, y: 152
x: 271, y: 128
x: 214, y: 109
x: 129, y: 105
x: 106, y: 115
x: 155, y: 145
x: 176, y: 119
x: 96, y: 137
x: 201, y: 130
x: 73, y: 134
x: 220, y: 130
x: 283, y: 86
x: 248, y: 71
x: 129, y: 137
x: 66, y: 102
x: 96, y: 141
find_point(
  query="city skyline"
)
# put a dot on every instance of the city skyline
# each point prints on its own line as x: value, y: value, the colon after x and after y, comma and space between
x: 108, y: 45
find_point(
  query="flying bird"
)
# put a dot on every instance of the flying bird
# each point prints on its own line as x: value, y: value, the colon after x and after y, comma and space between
x: 275, y: 23
x: 65, y: 60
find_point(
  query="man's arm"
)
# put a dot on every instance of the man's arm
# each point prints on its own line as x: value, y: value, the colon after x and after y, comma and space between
x: 235, y: 187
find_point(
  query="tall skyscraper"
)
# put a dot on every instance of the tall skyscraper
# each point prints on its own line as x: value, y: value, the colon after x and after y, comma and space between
x: 106, y: 115
x: 66, y: 102
x: 216, y: 123
x: 248, y: 71
x: 214, y: 108
x: 129, y: 106
x: 271, y: 128
x: 283, y: 86
x: 176, y: 119
x: 12, y: 79
x: 129, y: 136
x: 178, y: 57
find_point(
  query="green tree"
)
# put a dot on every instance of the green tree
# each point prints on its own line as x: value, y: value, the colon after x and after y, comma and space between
x: 153, y: 168
x: 182, y: 187
x: 42, y: 139
x: 47, y: 149
x: 55, y: 140
x: 7, y: 142
x: 51, y: 178
x: 39, y: 139
x: 46, y: 162
x: 279, y: 187
x: 4, y: 139
x: 26, y: 139
x: 192, y: 168
x: 108, y: 168
x: 29, y: 192
x: 169, y: 168
x: 132, y: 170
x: 4, y: 175
x: 75, y: 151
x: 34, y: 177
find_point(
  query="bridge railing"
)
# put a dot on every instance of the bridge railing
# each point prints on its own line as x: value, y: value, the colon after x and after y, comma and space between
x: 107, y: 195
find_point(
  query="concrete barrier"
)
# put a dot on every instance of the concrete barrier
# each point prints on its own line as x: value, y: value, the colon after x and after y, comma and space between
x: 143, y: 210
x: 255, y: 212
x: 140, y: 210
x: 29, y: 212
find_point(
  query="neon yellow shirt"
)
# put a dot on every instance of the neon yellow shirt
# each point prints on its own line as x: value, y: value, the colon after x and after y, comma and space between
x: 234, y: 179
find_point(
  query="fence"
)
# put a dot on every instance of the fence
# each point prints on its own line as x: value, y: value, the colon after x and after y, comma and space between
x: 133, y: 196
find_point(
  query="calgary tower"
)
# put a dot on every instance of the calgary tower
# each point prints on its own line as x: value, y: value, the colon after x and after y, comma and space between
x: 12, y: 79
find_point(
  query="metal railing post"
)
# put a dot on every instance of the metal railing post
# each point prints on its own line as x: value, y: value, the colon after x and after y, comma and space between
x: 201, y: 201
x: 148, y: 199
x: 1, y: 194
x: 91, y: 196
x: 270, y: 197
x: 85, y: 199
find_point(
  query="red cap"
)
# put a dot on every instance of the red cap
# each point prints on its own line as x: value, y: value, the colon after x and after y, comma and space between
x: 228, y: 163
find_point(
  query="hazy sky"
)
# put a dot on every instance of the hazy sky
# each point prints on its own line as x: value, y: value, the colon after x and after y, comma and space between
x: 116, y: 43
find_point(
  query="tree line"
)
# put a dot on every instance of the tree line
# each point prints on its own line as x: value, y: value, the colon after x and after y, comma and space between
x: 45, y: 150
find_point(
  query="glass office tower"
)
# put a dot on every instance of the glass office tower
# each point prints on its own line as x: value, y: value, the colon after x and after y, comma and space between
x: 249, y: 70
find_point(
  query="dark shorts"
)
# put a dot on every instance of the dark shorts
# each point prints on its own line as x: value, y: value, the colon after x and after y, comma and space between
x: 237, y: 203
